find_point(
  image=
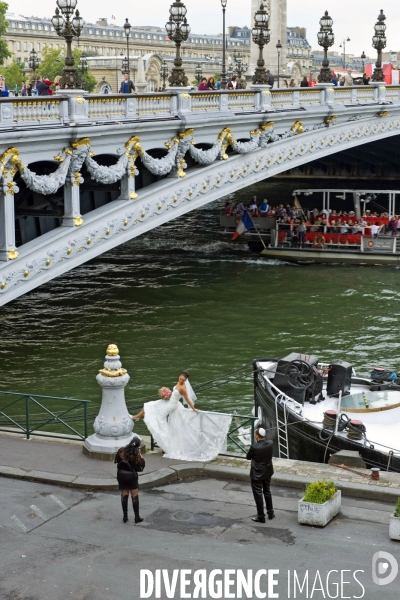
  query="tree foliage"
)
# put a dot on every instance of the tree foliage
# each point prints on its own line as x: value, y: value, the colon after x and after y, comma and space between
x: 52, y: 64
x: 4, y: 51
x: 14, y: 75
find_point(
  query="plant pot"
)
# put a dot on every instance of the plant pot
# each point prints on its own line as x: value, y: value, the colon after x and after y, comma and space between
x: 319, y: 515
x: 394, y: 527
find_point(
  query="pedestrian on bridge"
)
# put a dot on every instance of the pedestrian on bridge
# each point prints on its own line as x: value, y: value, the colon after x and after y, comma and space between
x: 127, y: 86
x: 261, y: 472
x: 130, y: 462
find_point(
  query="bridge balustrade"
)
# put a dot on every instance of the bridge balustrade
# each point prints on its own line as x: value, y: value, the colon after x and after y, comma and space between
x: 98, y: 107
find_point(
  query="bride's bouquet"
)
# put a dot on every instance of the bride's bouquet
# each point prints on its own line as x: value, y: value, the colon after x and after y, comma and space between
x: 164, y: 393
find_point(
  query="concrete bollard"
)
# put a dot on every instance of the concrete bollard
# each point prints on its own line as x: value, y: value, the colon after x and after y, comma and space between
x: 113, y: 425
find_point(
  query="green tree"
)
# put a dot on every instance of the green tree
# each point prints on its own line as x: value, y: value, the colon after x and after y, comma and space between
x: 51, y: 63
x: 4, y: 51
x: 14, y: 75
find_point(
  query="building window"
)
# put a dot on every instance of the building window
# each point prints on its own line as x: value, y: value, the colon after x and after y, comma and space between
x: 104, y: 32
x: 25, y: 47
x: 18, y: 45
x: 97, y: 32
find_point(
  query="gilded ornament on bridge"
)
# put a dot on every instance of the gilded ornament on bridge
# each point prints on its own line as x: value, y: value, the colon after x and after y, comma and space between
x: 108, y: 232
x: 82, y: 142
x: 80, y: 100
x: 12, y: 254
x: 58, y: 158
x: 26, y: 273
x: 89, y: 241
x: 78, y: 221
x: 48, y: 262
x: 185, y: 133
x: 297, y: 127
x: 107, y: 372
x: 3, y: 285
x: 329, y: 120
x: 126, y: 222
x: 383, y: 113
x: 181, y: 172
x: 133, y: 196
x: 69, y: 251
x: 112, y: 350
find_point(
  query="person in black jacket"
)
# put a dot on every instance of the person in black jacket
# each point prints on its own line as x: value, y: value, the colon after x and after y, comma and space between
x: 129, y: 463
x: 127, y: 85
x: 42, y: 88
x: 261, y: 472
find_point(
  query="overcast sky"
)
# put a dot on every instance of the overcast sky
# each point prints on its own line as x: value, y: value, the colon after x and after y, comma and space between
x: 353, y: 19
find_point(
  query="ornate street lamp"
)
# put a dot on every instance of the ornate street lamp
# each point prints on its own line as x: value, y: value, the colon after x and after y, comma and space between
x: 326, y: 39
x: 379, y: 43
x: 33, y: 63
x: 83, y: 64
x: 261, y: 36
x: 178, y: 31
x: 229, y: 72
x: 127, y: 28
x: 68, y: 28
x: 363, y: 57
x: 241, y: 67
x: 343, y: 45
x: 223, y: 70
x: 198, y: 73
x: 124, y: 67
x: 164, y: 73
x: 279, y: 48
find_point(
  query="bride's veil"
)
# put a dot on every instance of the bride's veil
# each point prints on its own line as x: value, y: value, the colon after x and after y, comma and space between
x: 190, y: 392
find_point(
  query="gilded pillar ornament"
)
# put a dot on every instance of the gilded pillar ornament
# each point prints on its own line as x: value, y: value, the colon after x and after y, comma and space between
x: 7, y: 212
x: 113, y: 426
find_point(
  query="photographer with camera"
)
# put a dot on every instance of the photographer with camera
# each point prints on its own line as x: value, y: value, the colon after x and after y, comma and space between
x: 129, y: 463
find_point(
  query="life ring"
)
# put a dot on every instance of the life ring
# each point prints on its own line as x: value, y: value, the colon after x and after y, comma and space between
x: 319, y: 241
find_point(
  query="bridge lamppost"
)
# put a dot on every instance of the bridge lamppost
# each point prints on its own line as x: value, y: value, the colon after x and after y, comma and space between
x: 379, y: 43
x: 164, y: 73
x: 326, y: 39
x: 178, y: 30
x: 68, y: 28
x: 198, y: 72
x: 343, y: 45
x: 124, y: 67
x: 83, y: 64
x: 261, y: 37
x: 279, y: 48
x: 363, y: 57
x: 223, y: 70
x: 229, y: 73
x: 33, y: 63
x: 241, y: 67
x: 127, y: 29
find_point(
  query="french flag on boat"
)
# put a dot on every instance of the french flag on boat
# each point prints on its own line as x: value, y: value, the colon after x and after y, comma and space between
x: 245, y: 224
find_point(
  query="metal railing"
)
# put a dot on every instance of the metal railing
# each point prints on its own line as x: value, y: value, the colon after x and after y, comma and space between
x: 35, y: 413
x: 240, y: 434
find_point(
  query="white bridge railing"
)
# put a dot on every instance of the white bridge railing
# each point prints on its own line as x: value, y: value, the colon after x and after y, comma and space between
x: 94, y: 108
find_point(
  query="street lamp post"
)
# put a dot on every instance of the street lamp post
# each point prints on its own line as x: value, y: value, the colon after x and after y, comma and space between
x: 83, y: 64
x: 363, y: 57
x: 241, y: 67
x: 33, y: 63
x: 127, y: 29
x: 198, y: 72
x: 68, y: 28
x: 343, y: 44
x: 164, y: 73
x: 229, y: 72
x: 178, y: 30
x: 223, y: 71
x: 379, y: 43
x: 279, y: 48
x: 261, y: 36
x: 326, y: 39
x: 124, y: 67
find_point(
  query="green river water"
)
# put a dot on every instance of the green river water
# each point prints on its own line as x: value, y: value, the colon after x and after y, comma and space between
x: 183, y: 296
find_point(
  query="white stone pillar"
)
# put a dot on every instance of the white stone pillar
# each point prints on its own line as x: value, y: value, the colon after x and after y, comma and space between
x: 113, y: 426
x: 72, y: 201
x: 7, y: 216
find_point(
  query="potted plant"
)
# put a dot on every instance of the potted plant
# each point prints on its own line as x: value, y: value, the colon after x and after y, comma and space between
x: 320, y: 503
x: 394, y: 527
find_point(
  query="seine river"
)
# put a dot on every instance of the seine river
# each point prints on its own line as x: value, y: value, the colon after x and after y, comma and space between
x: 184, y: 297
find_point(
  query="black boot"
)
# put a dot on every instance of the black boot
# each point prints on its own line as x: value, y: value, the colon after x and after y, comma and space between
x: 124, y: 502
x: 135, y: 504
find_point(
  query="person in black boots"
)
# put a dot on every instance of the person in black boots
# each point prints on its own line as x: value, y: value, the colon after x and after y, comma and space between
x: 261, y: 472
x: 130, y: 462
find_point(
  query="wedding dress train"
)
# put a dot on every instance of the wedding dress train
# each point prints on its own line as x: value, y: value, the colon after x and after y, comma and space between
x: 184, y: 434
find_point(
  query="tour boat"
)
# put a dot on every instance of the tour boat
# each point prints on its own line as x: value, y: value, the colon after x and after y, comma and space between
x: 312, y: 410
x: 345, y: 241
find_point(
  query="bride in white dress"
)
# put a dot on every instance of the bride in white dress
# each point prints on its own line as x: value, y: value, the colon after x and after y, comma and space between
x: 185, y: 433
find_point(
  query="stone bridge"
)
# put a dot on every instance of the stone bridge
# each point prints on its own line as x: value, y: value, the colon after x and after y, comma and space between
x: 80, y: 174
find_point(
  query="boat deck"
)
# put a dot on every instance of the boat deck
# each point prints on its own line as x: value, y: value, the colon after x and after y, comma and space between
x: 381, y: 419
